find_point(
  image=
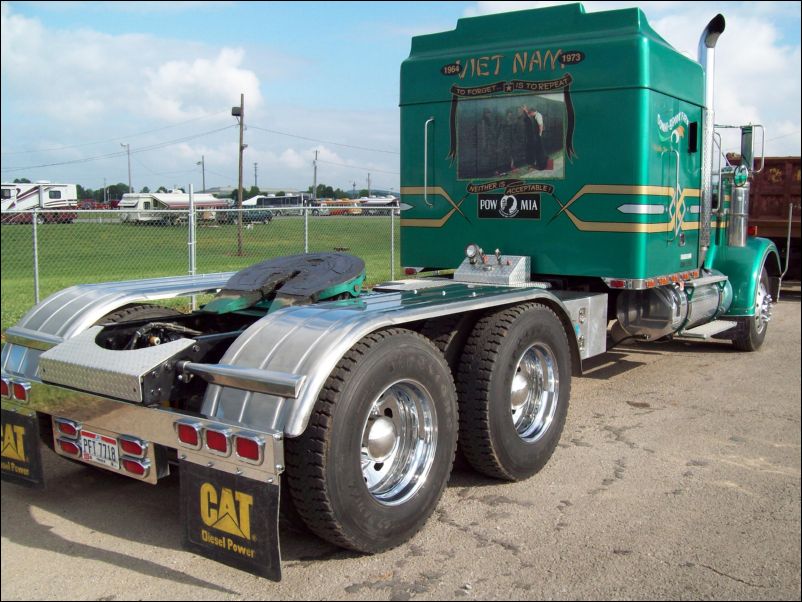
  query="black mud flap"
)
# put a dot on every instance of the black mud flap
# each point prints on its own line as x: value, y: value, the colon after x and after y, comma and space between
x: 231, y: 519
x: 21, y: 454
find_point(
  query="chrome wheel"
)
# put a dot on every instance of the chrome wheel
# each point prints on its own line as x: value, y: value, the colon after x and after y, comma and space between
x: 399, y: 438
x: 534, y: 392
x: 762, y: 307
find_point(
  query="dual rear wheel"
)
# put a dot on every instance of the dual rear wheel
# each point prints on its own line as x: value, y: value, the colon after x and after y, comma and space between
x: 375, y: 458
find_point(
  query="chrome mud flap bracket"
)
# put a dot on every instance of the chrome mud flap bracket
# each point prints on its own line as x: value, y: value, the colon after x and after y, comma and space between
x: 231, y: 518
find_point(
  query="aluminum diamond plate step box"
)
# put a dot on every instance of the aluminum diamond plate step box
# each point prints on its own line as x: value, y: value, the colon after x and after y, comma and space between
x: 707, y: 331
x: 80, y: 363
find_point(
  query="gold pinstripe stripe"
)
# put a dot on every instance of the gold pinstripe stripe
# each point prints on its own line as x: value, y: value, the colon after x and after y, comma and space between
x: 582, y: 225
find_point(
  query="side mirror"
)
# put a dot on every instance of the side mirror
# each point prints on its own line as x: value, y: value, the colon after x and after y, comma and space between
x: 747, y: 148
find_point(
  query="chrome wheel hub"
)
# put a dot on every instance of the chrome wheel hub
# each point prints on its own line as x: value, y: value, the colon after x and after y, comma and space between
x: 399, y: 437
x: 534, y: 392
x: 762, y: 308
x: 382, y: 438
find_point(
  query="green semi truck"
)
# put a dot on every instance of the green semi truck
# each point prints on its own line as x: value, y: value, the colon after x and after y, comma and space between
x: 561, y: 193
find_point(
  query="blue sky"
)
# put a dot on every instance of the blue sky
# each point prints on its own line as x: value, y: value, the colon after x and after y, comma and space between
x: 80, y: 78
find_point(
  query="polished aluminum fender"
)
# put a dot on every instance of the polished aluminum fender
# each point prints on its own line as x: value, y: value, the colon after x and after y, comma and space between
x: 71, y: 311
x: 310, y: 340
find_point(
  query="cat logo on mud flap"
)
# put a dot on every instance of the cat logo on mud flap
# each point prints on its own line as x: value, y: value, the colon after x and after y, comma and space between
x: 13, y: 447
x: 230, y: 511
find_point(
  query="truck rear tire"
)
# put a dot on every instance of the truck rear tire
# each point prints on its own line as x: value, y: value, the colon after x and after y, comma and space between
x: 142, y: 311
x: 374, y: 460
x: 514, y: 385
x: 752, y: 330
x: 449, y: 334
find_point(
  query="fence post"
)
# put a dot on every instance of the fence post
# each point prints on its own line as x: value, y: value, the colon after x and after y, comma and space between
x: 392, y: 243
x: 191, y: 235
x: 35, y: 224
x: 306, y: 229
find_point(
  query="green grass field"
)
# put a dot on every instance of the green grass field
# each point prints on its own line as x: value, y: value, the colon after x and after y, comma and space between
x: 96, y: 252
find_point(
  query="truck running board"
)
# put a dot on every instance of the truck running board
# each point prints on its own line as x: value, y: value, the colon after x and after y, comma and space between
x: 706, y: 331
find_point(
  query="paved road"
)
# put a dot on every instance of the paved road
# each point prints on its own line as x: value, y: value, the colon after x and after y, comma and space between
x: 678, y: 477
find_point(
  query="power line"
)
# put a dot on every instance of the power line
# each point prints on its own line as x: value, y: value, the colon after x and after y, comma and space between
x: 143, y: 149
x: 783, y: 136
x: 394, y: 173
x: 115, y: 139
x: 365, y: 148
x: 163, y: 173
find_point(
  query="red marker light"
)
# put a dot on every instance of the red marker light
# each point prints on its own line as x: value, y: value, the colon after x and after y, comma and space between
x: 752, y: 230
x: 133, y: 447
x: 20, y: 391
x: 68, y: 428
x: 217, y: 441
x: 69, y: 447
x: 618, y: 283
x: 188, y: 434
x: 249, y: 448
x: 139, y: 468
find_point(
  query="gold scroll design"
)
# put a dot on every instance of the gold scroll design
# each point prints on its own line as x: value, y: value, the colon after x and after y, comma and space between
x: 678, y: 210
x: 432, y: 223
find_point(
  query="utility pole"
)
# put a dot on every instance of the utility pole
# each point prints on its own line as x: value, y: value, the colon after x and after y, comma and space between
x: 368, y: 184
x: 239, y: 113
x: 353, y: 194
x: 202, y: 163
x: 314, y: 179
x: 128, y: 150
x: 255, y: 180
x: 105, y: 193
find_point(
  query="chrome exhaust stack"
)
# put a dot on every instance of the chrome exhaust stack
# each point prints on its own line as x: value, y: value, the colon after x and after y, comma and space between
x: 707, y: 59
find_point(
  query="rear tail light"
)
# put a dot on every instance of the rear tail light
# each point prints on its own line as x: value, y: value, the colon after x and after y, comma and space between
x: 218, y: 441
x: 71, y: 448
x: 618, y: 283
x: 131, y: 446
x: 139, y: 468
x: 249, y: 448
x: 68, y: 428
x: 6, y: 388
x: 20, y: 391
x: 189, y: 434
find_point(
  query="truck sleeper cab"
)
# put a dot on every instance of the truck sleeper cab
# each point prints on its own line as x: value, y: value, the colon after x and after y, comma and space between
x: 357, y: 400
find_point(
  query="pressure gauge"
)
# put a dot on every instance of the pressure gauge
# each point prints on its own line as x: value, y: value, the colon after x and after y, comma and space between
x: 471, y: 252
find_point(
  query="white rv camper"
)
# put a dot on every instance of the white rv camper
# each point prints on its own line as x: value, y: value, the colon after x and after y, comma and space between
x: 167, y: 207
x: 20, y: 199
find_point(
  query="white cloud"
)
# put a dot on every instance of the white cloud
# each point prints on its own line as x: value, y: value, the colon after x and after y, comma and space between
x: 757, y: 73
x: 85, y: 76
x: 180, y: 89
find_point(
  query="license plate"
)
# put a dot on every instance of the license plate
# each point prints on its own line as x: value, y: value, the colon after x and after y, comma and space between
x: 100, y: 449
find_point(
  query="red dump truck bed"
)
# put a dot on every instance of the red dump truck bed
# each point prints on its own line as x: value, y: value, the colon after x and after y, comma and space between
x: 774, y: 189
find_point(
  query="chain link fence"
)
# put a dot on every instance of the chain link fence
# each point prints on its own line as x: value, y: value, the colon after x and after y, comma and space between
x: 45, y: 251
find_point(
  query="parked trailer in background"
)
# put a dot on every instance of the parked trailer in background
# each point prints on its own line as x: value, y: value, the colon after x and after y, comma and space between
x: 273, y: 205
x: 52, y: 198
x: 377, y: 205
x: 580, y: 144
x: 158, y: 207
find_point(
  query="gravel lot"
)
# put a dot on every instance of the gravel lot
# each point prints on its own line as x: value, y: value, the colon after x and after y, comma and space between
x: 678, y: 477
